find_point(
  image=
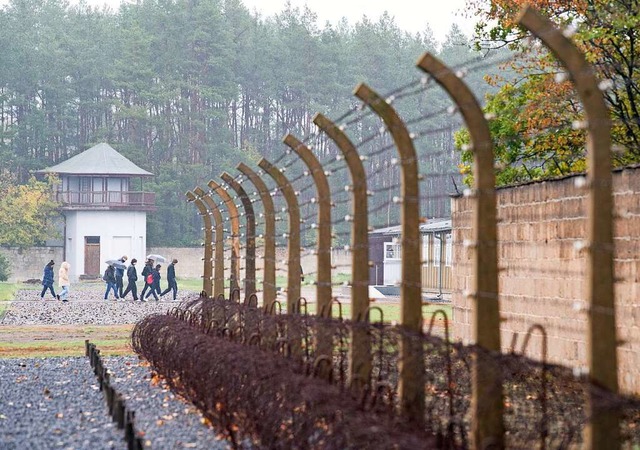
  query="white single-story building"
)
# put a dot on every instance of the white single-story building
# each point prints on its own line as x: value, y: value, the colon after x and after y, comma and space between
x: 385, y: 253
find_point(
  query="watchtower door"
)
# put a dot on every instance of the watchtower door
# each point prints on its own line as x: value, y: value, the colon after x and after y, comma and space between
x: 92, y: 256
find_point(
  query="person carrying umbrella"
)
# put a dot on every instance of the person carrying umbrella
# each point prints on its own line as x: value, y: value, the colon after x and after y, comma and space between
x: 109, y: 277
x: 120, y: 274
x: 172, y: 284
x: 132, y: 277
x: 47, y: 280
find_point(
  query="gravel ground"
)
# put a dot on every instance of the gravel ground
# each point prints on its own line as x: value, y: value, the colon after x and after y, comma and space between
x: 56, y: 403
x: 166, y: 420
x: 86, y: 306
x: 53, y: 403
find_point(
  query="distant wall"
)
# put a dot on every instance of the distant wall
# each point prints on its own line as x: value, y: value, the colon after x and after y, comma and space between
x: 29, y: 263
x: 190, y: 262
x: 543, y: 275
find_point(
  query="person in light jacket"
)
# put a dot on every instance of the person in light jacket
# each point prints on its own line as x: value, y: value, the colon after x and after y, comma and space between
x: 63, y: 281
x: 47, y: 280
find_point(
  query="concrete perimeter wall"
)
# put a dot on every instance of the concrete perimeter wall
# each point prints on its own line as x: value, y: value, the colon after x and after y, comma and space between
x: 542, y: 279
x: 28, y: 263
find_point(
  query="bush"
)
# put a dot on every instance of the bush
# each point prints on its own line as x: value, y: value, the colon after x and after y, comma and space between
x: 4, y: 268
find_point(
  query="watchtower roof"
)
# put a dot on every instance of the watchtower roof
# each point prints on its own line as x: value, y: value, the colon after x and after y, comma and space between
x: 101, y: 159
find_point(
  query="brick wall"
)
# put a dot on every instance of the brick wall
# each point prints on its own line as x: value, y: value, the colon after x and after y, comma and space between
x: 542, y: 269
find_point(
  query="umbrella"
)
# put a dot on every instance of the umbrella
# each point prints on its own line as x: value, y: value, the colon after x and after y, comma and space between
x: 115, y: 263
x: 157, y: 258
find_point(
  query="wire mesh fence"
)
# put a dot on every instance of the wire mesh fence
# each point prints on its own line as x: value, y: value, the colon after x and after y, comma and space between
x: 377, y: 183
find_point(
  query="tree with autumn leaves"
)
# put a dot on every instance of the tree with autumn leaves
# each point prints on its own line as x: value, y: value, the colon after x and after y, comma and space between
x: 27, y: 212
x: 536, y: 117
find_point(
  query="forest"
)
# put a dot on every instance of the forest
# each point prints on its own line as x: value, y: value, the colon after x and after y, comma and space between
x: 188, y: 89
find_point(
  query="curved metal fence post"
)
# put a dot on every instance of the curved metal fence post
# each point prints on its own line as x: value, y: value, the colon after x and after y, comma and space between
x: 411, y: 363
x: 293, y: 237
x: 234, y: 279
x: 487, y: 398
x: 604, y: 429
x: 269, y: 278
x: 323, y: 282
x: 323, y: 285
x: 360, y: 349
x: 250, y: 236
x: 207, y: 282
x: 218, y: 265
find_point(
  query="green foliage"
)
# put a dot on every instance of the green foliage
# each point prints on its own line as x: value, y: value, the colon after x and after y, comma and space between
x: 189, y: 89
x: 27, y: 213
x: 5, y: 270
x: 527, y: 145
x: 532, y: 129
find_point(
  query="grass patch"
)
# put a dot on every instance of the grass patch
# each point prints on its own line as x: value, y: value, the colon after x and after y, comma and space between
x: 390, y: 311
x: 73, y: 347
x: 8, y: 290
x: 65, y: 340
x: 188, y: 284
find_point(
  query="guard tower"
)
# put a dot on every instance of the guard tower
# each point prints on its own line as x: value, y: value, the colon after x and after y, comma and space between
x: 104, y: 208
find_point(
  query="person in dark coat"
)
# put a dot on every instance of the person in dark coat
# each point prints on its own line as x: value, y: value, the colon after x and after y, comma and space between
x: 172, y: 284
x: 47, y: 280
x: 109, y: 277
x: 120, y: 275
x: 148, y: 269
x: 132, y: 277
x: 155, y: 283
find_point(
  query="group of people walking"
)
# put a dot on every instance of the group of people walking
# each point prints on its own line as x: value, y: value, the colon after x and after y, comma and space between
x: 63, y: 281
x: 114, y: 277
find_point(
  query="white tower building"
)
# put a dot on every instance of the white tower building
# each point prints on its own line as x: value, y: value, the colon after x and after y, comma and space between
x: 104, y: 207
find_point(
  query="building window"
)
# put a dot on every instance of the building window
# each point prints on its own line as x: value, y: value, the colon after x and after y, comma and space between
x: 448, y: 258
x: 437, y: 250
x: 392, y: 251
x: 426, y: 258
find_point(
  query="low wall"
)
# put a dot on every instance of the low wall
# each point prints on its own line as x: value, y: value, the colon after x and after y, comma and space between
x: 190, y: 263
x: 29, y: 263
x: 541, y: 229
x: 189, y: 259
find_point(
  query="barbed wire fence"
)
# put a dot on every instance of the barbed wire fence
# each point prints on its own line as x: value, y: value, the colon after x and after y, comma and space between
x: 385, y: 164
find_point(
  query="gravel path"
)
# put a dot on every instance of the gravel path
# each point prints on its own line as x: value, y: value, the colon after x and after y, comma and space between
x: 53, y: 403
x: 85, y: 307
x: 50, y: 403
x: 166, y: 420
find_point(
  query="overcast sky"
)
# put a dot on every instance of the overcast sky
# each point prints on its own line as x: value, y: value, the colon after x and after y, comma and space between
x: 410, y: 15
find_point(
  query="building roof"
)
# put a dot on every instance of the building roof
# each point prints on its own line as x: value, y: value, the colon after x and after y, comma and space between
x: 100, y: 159
x: 432, y: 225
x: 435, y: 225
